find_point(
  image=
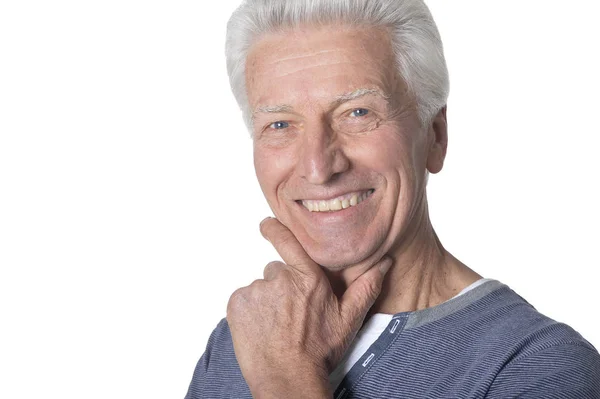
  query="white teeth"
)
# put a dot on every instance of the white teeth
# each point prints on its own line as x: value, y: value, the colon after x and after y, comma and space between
x: 323, y: 206
x: 336, y: 204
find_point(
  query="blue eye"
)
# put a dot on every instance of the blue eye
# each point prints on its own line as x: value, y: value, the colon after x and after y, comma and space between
x: 279, y: 125
x: 360, y: 112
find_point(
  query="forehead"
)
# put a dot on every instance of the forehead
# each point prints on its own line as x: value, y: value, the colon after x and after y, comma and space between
x: 312, y: 64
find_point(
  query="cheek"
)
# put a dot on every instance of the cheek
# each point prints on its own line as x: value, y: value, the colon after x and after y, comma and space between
x: 386, y: 153
x: 272, y: 168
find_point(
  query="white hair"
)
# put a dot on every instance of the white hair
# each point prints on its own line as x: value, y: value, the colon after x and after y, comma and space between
x: 415, y: 39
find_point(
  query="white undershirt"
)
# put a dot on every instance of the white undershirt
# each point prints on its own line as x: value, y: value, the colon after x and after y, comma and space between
x: 367, y: 335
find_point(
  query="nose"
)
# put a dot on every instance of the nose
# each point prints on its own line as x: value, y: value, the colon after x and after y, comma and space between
x: 322, y: 156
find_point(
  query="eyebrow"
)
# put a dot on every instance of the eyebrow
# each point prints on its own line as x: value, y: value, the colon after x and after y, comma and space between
x: 357, y: 94
x: 337, y: 101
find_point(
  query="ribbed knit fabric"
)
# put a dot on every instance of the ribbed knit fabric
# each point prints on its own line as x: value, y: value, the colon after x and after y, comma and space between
x: 487, y: 343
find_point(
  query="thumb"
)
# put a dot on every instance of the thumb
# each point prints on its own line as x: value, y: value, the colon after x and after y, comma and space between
x: 363, y: 292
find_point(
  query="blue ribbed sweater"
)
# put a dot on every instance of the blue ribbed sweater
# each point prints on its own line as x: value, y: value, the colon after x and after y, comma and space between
x: 487, y: 343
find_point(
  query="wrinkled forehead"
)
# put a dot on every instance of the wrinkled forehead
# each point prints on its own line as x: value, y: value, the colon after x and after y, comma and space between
x: 319, y: 64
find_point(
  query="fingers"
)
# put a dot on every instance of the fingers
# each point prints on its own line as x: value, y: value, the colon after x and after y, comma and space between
x: 363, y: 292
x: 272, y: 269
x: 287, y: 246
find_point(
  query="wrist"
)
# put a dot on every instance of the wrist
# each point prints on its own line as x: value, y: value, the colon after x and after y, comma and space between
x: 298, y: 384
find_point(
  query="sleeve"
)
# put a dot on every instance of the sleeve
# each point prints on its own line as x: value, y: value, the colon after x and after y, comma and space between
x: 563, y: 371
x: 196, y: 388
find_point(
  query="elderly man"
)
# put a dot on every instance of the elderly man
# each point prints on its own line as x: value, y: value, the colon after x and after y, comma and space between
x: 346, y: 100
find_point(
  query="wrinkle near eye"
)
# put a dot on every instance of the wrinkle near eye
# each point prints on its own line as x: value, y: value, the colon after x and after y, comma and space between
x: 359, y: 120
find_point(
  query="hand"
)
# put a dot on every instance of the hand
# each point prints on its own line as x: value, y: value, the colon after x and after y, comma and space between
x: 289, y: 329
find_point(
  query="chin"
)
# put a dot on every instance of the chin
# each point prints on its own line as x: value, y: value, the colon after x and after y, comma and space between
x: 335, y: 264
x: 339, y: 257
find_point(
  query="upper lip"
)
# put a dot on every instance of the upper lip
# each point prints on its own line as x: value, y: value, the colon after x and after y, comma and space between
x: 331, y: 195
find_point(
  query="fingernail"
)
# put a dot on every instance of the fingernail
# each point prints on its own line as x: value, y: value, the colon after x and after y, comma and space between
x: 264, y: 220
x: 385, y: 265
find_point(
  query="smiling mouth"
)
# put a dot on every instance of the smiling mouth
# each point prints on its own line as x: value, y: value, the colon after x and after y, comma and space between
x: 337, y: 204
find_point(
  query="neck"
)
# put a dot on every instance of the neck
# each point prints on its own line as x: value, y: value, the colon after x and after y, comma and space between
x: 423, y: 274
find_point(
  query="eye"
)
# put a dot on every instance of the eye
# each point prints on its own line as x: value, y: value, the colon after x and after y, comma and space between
x: 359, y: 112
x: 279, y: 125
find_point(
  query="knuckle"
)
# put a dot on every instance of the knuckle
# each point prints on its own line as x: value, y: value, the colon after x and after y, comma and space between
x: 279, y: 273
x: 256, y: 286
x: 239, y: 300
x: 236, y: 300
x: 272, y: 266
x: 274, y: 263
x: 287, y: 276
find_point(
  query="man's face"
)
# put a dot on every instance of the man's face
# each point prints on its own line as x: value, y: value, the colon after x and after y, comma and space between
x: 338, y: 148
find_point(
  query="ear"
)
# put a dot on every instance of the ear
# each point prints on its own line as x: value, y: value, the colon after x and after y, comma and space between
x: 437, y: 141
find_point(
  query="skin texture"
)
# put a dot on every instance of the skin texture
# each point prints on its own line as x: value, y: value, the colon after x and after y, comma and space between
x: 290, y: 329
x: 310, y: 145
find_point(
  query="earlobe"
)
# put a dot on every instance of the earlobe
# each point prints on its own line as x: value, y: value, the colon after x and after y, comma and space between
x: 438, y: 144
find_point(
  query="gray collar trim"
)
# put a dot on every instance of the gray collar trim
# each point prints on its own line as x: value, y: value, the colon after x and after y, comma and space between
x: 418, y: 318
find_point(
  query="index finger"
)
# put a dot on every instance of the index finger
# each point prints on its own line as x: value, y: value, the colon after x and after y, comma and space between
x: 287, y: 246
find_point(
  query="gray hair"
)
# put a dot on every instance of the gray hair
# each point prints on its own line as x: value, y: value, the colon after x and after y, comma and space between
x: 415, y: 39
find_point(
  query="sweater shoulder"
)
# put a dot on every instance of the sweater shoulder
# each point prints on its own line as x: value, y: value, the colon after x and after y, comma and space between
x: 218, y: 374
x: 515, y: 323
x: 500, y: 323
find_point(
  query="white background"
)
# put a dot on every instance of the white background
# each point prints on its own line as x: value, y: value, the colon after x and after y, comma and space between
x: 129, y: 209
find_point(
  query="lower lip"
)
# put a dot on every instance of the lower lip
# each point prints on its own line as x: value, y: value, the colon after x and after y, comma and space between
x: 337, y: 216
